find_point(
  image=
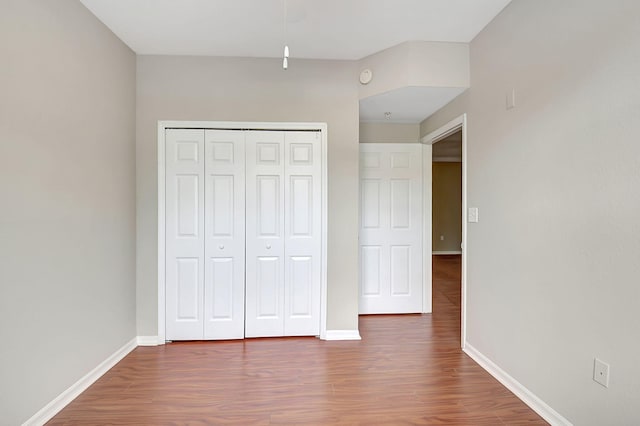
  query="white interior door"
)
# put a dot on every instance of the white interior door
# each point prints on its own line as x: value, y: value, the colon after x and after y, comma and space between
x: 284, y: 240
x: 184, y: 234
x: 243, y: 233
x: 265, y: 234
x: 224, y: 240
x: 390, y: 228
x: 302, y: 245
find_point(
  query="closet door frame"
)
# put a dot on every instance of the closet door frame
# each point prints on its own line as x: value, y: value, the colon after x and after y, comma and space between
x: 236, y: 125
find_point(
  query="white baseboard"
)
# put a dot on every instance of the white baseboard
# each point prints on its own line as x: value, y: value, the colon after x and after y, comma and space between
x: 528, y: 397
x: 147, y: 340
x: 62, y: 400
x: 436, y: 253
x: 343, y: 335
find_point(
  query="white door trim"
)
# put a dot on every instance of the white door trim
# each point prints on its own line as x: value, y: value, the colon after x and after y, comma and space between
x: 458, y: 123
x: 235, y: 125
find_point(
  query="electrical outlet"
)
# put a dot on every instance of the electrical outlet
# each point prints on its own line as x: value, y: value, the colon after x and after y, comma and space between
x: 601, y: 372
x: 441, y: 237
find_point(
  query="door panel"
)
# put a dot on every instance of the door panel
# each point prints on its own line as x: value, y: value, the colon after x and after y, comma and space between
x: 302, y: 176
x: 390, y: 228
x: 221, y: 294
x: 184, y: 234
x: 187, y: 289
x: 265, y: 242
x: 224, y: 243
x: 268, y: 288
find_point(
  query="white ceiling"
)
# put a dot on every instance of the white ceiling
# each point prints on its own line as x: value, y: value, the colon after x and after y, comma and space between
x: 407, y: 105
x: 317, y: 29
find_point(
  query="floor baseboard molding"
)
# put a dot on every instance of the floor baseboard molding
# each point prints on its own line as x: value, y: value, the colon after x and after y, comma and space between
x: 443, y: 252
x: 528, y: 397
x: 343, y: 335
x: 147, y: 340
x: 62, y: 400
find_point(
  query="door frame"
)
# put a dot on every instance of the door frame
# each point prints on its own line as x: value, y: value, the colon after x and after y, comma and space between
x: 458, y: 123
x: 237, y: 125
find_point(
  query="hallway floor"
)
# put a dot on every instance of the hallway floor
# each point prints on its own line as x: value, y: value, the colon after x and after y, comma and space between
x: 406, y: 370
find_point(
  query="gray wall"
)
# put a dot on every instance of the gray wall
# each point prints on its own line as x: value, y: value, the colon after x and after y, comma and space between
x: 67, y: 221
x: 553, y: 263
x: 244, y: 89
x: 389, y: 133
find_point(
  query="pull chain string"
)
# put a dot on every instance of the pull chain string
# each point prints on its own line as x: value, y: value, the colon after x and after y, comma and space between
x: 285, y: 60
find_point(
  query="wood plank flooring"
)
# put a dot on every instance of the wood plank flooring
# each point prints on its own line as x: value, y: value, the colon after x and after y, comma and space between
x: 407, y: 370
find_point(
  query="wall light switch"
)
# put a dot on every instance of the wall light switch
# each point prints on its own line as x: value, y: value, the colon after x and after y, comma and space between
x: 473, y: 215
x: 441, y: 237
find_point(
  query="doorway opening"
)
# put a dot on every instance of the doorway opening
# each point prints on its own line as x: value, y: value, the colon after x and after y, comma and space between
x: 446, y: 235
x: 445, y: 228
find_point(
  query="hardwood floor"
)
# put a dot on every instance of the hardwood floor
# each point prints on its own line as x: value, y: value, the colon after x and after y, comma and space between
x: 407, y: 370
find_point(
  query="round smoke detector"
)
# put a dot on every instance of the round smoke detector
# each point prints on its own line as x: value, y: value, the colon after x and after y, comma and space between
x: 366, y: 76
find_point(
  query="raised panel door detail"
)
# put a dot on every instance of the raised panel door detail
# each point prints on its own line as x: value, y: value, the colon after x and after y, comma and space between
x: 400, y: 203
x: 186, y: 151
x: 268, y: 203
x: 301, y: 206
x: 268, y: 287
x: 222, y: 288
x: 187, y: 297
x: 400, y: 160
x: 268, y: 153
x: 222, y: 152
x: 301, y: 154
x: 301, y: 270
x: 370, y: 203
x: 187, y: 205
x: 400, y: 270
x: 370, y: 257
x: 222, y: 190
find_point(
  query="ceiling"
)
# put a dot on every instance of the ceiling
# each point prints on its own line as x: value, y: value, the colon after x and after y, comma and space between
x: 317, y: 29
x: 407, y: 104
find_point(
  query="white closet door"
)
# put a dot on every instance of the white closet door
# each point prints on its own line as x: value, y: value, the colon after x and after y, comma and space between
x: 224, y: 234
x: 390, y: 228
x: 264, y: 234
x: 184, y: 234
x: 302, y: 244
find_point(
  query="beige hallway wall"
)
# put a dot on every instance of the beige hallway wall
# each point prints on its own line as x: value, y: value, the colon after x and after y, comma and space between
x: 447, y: 206
x: 67, y: 222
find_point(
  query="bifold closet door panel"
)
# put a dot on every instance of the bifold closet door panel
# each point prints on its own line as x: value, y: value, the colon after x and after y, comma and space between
x: 184, y: 234
x: 264, y: 234
x: 303, y: 227
x: 224, y: 234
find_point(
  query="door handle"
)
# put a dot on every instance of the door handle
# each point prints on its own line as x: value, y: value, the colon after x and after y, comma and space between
x: 221, y: 247
x: 268, y: 246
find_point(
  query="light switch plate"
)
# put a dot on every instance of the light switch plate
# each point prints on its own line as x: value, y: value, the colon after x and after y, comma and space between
x: 473, y: 215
